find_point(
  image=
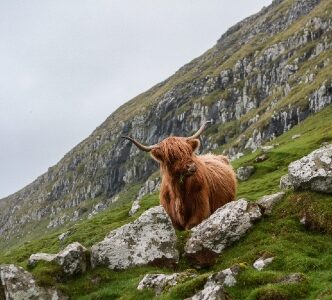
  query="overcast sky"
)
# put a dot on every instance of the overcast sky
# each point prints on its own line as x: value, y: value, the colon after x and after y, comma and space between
x: 65, y: 65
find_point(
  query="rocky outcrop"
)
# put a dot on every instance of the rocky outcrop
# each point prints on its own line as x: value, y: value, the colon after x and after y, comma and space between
x: 150, y: 239
x: 72, y: 260
x: 214, y: 287
x: 18, y: 284
x: 269, y: 201
x: 161, y: 282
x: 243, y: 173
x: 225, y: 226
x: 313, y: 171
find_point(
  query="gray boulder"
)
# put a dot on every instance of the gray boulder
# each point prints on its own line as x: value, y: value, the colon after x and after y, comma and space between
x: 225, y: 226
x: 313, y: 171
x: 150, y: 239
x: 72, y: 260
x: 35, y: 258
x: 243, y: 173
x: 160, y: 282
x: 285, y: 183
x: 18, y: 284
x: 214, y: 287
x: 269, y: 201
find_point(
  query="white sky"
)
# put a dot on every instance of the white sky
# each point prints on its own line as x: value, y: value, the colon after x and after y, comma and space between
x: 65, y: 65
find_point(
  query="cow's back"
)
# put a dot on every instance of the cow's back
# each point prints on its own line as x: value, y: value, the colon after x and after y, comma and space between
x: 221, y: 179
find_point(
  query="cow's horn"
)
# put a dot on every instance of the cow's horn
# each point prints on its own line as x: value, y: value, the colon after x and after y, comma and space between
x: 199, y: 132
x: 139, y: 145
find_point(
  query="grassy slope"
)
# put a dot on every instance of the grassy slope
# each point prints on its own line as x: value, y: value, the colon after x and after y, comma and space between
x: 296, y: 249
x: 210, y: 63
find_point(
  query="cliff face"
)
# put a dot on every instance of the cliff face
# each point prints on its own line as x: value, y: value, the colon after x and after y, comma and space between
x: 264, y: 75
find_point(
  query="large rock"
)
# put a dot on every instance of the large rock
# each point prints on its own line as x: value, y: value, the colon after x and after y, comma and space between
x: 18, y: 284
x: 243, y: 173
x: 225, y: 226
x: 151, y: 239
x: 160, y: 282
x: 269, y: 201
x: 214, y: 287
x: 313, y: 171
x: 72, y: 260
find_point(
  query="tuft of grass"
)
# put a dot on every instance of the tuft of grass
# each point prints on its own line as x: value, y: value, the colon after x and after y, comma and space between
x: 279, y: 292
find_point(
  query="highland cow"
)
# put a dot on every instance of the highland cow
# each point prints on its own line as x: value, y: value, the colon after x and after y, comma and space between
x: 193, y: 186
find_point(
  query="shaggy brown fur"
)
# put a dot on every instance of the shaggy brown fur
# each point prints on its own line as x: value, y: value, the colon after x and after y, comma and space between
x: 193, y: 186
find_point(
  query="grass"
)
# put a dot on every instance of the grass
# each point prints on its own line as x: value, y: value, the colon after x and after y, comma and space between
x: 296, y: 248
x: 209, y: 64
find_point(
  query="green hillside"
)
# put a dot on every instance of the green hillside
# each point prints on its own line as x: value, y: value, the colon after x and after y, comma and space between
x: 296, y: 249
x: 264, y: 75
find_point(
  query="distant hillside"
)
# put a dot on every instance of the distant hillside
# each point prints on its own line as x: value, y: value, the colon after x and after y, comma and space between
x: 265, y: 75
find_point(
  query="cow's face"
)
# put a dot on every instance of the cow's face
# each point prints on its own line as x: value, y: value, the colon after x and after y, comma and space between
x: 176, y: 154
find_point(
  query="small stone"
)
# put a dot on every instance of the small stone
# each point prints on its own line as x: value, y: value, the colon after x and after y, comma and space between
x: 214, y: 286
x: 269, y: 201
x: 262, y: 262
x: 63, y: 236
x: 261, y: 158
x: 293, y: 278
x: 296, y: 136
x: 303, y: 220
x: 243, y: 173
x: 285, y: 183
x: 159, y: 282
x: 35, y: 258
x: 135, y: 207
x: 267, y: 148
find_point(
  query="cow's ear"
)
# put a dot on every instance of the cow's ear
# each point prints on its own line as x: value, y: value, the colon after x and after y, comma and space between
x: 195, y: 143
x: 157, y: 154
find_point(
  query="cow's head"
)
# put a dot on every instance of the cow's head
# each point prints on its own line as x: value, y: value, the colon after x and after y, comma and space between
x: 175, y: 154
